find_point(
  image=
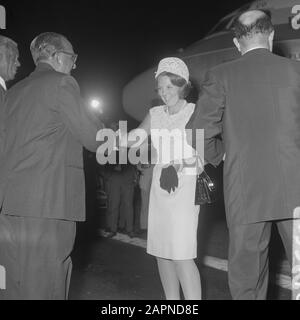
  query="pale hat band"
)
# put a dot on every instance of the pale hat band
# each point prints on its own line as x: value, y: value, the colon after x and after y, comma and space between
x: 173, y: 65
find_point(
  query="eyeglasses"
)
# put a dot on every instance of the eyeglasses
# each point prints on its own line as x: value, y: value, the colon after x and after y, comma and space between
x: 72, y: 55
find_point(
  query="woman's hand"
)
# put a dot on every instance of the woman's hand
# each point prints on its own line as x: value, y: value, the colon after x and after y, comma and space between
x: 178, y: 167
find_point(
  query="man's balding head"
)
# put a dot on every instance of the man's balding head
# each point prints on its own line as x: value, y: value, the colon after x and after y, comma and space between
x: 47, y: 43
x: 253, y: 29
x: 54, y: 49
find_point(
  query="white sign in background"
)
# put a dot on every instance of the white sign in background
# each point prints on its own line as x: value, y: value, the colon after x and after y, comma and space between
x: 2, y: 18
x: 2, y: 278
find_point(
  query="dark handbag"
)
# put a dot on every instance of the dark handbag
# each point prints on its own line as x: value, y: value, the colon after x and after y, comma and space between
x: 205, y: 191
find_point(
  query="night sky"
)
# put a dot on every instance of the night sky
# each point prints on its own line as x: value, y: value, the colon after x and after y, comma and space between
x: 115, y: 40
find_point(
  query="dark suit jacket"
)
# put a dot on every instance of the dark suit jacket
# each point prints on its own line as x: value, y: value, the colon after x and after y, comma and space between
x: 253, y: 105
x: 2, y: 98
x: 45, y: 126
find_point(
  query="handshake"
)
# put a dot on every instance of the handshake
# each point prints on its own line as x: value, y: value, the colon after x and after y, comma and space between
x: 117, y: 140
x: 120, y: 140
x: 169, y: 179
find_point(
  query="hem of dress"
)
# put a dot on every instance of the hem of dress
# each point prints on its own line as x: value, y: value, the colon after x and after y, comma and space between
x: 172, y: 258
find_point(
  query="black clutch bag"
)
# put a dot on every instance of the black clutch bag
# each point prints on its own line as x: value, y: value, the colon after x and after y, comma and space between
x: 205, y: 189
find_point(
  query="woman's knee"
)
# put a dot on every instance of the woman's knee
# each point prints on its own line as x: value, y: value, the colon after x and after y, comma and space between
x: 183, y: 262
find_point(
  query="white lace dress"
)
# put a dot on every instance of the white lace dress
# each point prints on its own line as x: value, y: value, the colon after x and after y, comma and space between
x: 173, y: 218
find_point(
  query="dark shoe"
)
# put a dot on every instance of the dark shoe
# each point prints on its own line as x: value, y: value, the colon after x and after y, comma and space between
x: 111, y: 234
x: 141, y: 231
x: 121, y: 230
x: 131, y: 234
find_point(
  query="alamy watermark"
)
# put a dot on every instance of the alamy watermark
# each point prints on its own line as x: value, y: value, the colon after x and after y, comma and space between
x: 295, y: 20
x: 170, y: 145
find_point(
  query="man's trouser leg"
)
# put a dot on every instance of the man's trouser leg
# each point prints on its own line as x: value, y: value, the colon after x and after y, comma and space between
x: 248, y: 261
x: 285, y: 229
x: 114, y: 196
x: 127, y: 210
x: 289, y: 231
x: 36, y: 256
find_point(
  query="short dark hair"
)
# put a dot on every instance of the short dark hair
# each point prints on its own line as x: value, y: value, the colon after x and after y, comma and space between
x: 262, y: 25
x: 179, y: 82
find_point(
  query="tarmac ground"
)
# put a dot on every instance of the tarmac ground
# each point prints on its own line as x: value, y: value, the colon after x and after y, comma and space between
x: 119, y: 268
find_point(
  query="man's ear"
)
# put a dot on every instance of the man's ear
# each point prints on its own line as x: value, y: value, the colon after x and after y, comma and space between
x: 57, y: 59
x: 237, y: 44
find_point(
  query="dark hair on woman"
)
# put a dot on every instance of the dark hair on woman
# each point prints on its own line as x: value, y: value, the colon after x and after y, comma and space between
x: 262, y: 24
x: 179, y: 82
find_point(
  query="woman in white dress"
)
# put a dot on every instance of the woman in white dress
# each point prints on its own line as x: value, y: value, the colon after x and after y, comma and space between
x: 173, y: 217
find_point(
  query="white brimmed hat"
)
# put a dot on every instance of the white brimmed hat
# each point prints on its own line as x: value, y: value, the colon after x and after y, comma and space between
x: 173, y: 65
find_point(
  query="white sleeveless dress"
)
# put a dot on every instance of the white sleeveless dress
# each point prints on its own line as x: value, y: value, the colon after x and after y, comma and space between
x: 173, y: 218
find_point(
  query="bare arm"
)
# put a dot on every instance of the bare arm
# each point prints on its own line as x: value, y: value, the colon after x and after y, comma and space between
x: 137, y: 135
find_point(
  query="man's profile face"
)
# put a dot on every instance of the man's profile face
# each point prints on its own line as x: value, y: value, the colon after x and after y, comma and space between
x: 9, y: 63
x: 13, y: 64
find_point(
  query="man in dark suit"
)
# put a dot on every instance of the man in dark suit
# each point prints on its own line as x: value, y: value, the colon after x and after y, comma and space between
x: 41, y: 175
x: 9, y: 63
x: 249, y: 109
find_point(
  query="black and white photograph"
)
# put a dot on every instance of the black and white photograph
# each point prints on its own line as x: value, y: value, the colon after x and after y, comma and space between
x: 149, y: 153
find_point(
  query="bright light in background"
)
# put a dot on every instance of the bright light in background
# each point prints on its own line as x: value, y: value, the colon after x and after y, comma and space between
x: 96, y: 104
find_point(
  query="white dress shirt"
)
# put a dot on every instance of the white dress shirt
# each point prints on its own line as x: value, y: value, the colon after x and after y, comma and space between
x: 2, y: 83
